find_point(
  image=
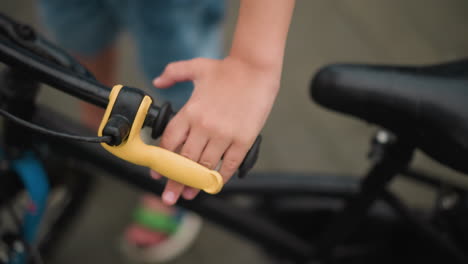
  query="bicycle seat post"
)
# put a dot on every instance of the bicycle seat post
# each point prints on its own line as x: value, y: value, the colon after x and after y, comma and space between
x: 390, y: 155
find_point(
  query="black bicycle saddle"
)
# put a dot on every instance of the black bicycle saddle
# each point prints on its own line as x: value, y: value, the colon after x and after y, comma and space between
x: 426, y: 104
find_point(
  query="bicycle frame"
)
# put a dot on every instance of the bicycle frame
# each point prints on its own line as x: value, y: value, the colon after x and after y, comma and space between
x: 253, y: 225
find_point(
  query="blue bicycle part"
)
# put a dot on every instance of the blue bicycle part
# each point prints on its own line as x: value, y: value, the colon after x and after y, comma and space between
x: 36, y: 183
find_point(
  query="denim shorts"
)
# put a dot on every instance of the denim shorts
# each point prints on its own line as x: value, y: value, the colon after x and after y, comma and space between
x: 164, y: 31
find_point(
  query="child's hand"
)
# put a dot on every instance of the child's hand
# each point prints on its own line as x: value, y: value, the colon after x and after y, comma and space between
x: 232, y: 97
x: 230, y: 103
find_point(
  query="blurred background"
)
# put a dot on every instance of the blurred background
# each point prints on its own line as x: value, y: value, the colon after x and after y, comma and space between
x: 299, y: 136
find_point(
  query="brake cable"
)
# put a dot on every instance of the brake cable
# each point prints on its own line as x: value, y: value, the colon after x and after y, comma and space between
x: 46, y: 131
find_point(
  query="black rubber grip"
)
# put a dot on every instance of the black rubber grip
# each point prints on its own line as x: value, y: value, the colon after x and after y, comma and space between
x: 250, y: 159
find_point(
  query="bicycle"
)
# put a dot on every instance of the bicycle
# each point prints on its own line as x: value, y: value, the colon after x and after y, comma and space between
x: 296, y: 218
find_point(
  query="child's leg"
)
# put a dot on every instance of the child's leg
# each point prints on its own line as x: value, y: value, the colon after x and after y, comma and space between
x: 103, y: 68
x: 167, y: 31
x: 87, y: 29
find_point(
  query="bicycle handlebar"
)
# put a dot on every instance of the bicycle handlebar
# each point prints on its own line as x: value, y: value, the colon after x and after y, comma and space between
x: 22, y: 48
x: 125, y: 114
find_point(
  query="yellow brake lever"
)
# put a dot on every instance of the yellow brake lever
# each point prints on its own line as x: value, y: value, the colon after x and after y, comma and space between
x: 167, y: 163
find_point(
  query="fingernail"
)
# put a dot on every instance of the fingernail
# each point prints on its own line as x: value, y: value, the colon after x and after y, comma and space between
x: 189, y: 194
x: 156, y: 80
x: 169, y: 197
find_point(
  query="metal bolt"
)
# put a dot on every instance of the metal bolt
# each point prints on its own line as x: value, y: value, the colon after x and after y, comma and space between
x: 449, y: 201
x: 382, y: 137
x: 25, y: 32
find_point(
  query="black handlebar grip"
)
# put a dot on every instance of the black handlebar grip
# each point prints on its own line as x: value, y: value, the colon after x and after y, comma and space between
x: 250, y: 159
x: 160, y: 122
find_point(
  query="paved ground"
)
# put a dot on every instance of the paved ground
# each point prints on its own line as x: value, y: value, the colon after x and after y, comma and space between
x: 298, y: 136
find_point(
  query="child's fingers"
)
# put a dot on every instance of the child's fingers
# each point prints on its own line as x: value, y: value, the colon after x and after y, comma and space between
x: 172, y: 192
x: 155, y: 175
x: 190, y: 193
x: 232, y: 160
